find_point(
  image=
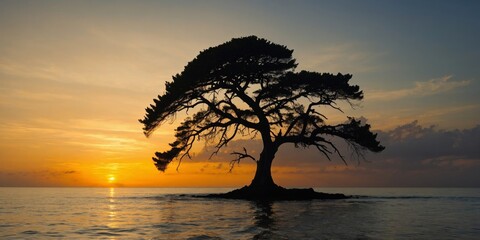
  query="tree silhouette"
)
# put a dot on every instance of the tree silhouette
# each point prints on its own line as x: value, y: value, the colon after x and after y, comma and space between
x: 248, y: 87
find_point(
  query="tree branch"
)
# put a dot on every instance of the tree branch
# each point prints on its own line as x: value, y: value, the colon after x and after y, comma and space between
x: 239, y: 157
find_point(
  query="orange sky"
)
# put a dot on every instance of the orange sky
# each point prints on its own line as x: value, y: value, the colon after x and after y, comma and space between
x: 76, y: 76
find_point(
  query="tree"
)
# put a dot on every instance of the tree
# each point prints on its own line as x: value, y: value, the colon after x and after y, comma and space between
x: 248, y: 86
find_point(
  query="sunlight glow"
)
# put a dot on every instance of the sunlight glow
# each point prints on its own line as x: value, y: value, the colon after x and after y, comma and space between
x: 111, y: 178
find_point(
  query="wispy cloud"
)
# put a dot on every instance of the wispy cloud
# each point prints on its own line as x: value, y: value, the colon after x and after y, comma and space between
x: 101, y: 136
x: 345, y: 58
x: 40, y: 96
x: 43, y: 173
x: 448, y: 117
x: 426, y: 88
x: 45, y: 177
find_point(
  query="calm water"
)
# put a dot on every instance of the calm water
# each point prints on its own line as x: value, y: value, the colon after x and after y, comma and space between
x: 158, y: 213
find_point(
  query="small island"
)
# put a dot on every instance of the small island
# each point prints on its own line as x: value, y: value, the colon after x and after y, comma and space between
x: 279, y: 193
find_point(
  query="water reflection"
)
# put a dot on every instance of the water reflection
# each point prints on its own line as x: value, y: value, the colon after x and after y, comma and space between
x: 85, y: 213
x: 314, y: 219
x: 112, y: 211
x: 263, y: 219
x: 183, y: 217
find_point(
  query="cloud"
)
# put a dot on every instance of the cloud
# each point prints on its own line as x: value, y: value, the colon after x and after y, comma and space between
x: 92, y: 134
x: 344, y: 57
x: 42, y: 173
x: 47, y: 177
x: 426, y: 156
x: 412, y: 145
x: 430, y: 87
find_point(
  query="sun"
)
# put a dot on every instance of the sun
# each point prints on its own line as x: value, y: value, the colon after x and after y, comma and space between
x: 111, y: 179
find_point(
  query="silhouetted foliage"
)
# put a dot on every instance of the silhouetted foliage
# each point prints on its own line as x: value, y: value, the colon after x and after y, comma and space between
x: 248, y: 86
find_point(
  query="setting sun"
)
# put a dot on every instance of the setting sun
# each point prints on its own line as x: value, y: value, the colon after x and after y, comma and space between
x: 111, y: 179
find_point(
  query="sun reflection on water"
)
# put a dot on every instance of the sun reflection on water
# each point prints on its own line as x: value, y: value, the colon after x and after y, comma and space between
x: 112, y: 211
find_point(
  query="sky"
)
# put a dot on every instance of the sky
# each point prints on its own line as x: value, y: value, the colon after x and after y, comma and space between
x: 75, y: 77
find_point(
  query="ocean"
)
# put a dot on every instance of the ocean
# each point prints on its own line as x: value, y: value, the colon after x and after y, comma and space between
x: 175, y: 213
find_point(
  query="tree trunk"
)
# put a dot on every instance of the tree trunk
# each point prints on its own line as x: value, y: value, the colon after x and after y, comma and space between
x: 263, y: 181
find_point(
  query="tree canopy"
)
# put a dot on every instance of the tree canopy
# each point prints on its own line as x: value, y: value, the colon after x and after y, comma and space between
x: 248, y: 86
